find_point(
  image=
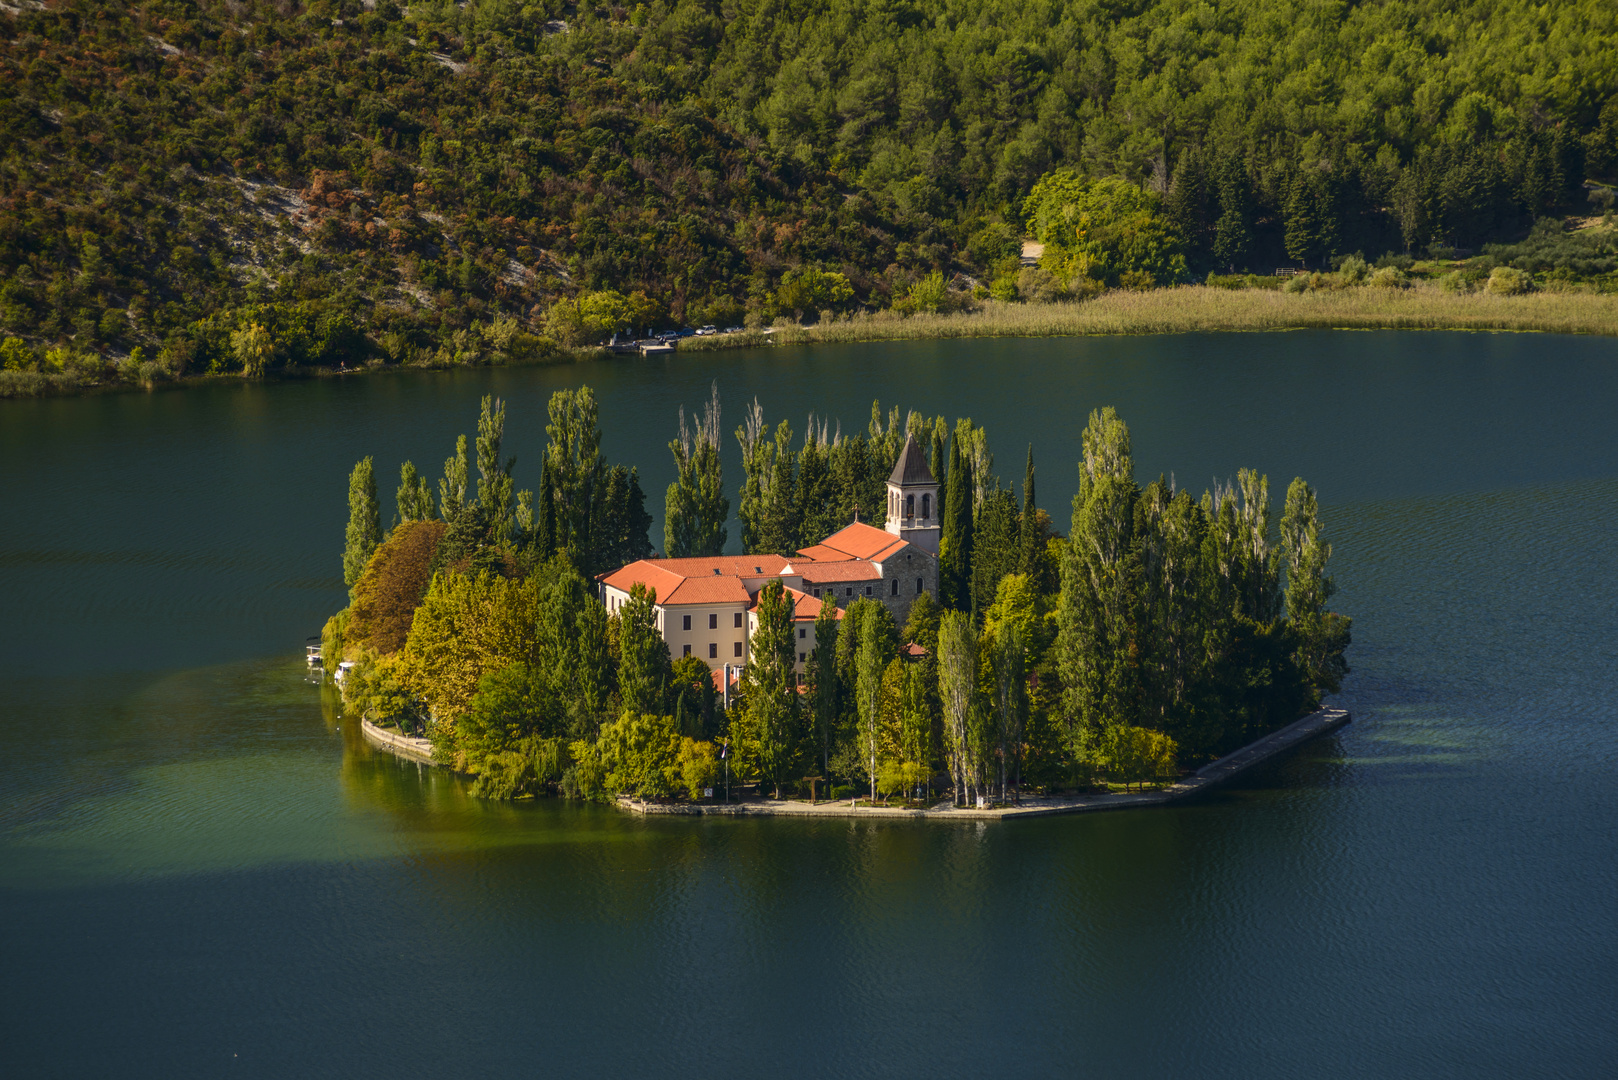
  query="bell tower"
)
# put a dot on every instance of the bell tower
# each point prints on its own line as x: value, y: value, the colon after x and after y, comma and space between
x: 913, y: 499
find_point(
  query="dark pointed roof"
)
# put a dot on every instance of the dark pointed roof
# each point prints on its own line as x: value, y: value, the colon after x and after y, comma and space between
x: 912, y: 467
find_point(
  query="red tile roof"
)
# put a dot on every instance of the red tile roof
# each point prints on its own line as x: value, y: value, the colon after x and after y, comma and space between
x: 847, y: 570
x: 860, y: 541
x: 674, y: 588
x: 726, y: 565
x: 804, y: 606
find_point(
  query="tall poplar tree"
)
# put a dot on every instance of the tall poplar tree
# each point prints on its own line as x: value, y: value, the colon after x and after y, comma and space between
x: 756, y: 467
x: 574, y: 459
x: 1008, y: 665
x: 414, y: 498
x: 823, y: 681
x: 1096, y: 644
x: 696, y: 511
x: 452, y: 488
x: 494, y: 476
x: 1322, y: 635
x: 364, y: 522
x: 957, y: 678
x: 769, y: 685
x: 817, y: 498
x: 871, y: 662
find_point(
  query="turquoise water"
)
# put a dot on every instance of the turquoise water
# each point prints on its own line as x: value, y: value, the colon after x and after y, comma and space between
x: 202, y: 868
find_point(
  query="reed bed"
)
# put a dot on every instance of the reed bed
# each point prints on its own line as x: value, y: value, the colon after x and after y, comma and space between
x: 1199, y: 308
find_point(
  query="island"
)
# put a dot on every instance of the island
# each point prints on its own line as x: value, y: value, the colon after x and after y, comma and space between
x: 902, y: 629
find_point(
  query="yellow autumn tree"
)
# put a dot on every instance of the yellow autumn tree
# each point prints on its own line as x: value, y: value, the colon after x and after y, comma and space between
x: 466, y: 627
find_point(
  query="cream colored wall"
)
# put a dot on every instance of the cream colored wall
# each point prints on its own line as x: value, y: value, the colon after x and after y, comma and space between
x: 699, y: 636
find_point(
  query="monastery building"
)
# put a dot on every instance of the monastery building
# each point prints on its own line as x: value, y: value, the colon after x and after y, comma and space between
x: 708, y: 607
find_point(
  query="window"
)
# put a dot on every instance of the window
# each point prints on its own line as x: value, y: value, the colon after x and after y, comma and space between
x: 851, y: 590
x: 910, y: 506
x: 736, y: 649
x: 926, y: 506
x: 687, y: 651
x: 895, y: 586
x: 918, y: 586
x: 803, y: 632
x: 713, y: 650
x: 687, y: 625
x: 800, y: 658
x: 738, y: 624
x: 867, y: 590
x: 817, y: 594
x: 713, y: 621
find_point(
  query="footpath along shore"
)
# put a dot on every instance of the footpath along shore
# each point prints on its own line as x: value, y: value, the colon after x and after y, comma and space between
x: 1255, y: 753
x: 1317, y: 723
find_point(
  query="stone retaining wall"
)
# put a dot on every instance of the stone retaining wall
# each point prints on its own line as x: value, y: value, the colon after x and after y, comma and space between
x: 406, y: 746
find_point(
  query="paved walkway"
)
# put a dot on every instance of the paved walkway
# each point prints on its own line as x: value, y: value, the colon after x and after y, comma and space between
x: 407, y: 746
x: 1209, y: 776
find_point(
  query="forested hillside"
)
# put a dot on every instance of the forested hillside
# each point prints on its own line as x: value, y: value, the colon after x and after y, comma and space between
x: 245, y: 184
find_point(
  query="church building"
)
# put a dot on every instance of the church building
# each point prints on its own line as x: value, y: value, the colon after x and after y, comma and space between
x: 707, y: 606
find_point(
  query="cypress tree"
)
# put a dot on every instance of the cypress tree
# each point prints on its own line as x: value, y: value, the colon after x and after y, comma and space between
x: 364, y: 522
x: 955, y: 546
x: 644, y: 670
x: 995, y: 548
x: 545, y: 516
x: 1029, y: 537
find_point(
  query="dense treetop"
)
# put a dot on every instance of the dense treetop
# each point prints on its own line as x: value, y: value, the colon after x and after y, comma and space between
x: 174, y: 174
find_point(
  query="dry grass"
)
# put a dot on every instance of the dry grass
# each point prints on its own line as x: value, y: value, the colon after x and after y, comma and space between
x: 1198, y: 308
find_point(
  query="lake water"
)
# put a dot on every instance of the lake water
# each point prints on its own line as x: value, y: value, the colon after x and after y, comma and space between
x: 203, y: 871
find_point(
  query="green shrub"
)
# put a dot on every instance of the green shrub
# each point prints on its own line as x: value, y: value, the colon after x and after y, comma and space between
x: 1389, y: 277
x: 1509, y: 281
x: 1353, y: 270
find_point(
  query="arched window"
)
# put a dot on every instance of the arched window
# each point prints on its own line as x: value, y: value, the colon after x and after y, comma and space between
x: 927, y: 506
x: 895, y: 586
x: 910, y: 506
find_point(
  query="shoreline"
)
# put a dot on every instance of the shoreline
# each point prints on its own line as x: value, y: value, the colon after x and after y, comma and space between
x: 1183, y: 309
x: 406, y: 746
x: 1322, y: 721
